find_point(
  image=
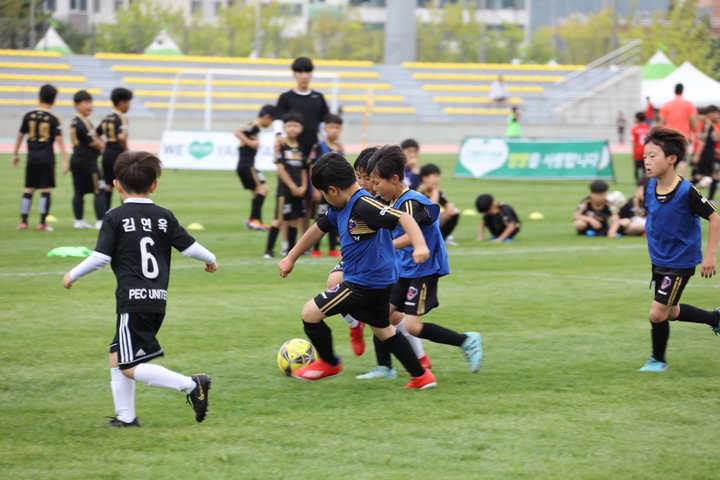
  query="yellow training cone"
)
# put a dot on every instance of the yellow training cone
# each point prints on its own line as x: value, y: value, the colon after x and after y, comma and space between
x: 195, y: 226
x: 469, y: 211
x: 51, y: 218
x: 536, y: 216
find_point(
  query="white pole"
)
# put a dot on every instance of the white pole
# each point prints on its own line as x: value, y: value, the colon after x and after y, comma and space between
x: 208, y: 99
x: 335, y: 89
x: 171, y: 109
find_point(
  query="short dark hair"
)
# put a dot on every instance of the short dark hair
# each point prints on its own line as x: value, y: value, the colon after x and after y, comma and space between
x: 429, y: 169
x: 267, y: 110
x: 293, y: 116
x: 643, y: 181
x: 302, y: 64
x: 679, y: 89
x: 47, y: 94
x: 670, y: 141
x: 598, y: 186
x: 409, y: 143
x: 387, y: 161
x: 702, y: 110
x: 640, y: 116
x: 361, y: 162
x: 82, y: 96
x: 137, y: 170
x: 332, y: 118
x: 484, y: 202
x: 120, y: 95
x: 711, y: 109
x: 332, y: 170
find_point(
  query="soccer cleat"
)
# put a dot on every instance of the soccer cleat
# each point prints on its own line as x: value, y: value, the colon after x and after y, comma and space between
x: 716, y: 330
x: 45, y: 227
x: 427, y: 380
x: 265, y: 225
x: 335, y: 253
x: 82, y: 224
x: 449, y: 241
x: 268, y: 254
x: 653, y: 365
x: 425, y: 362
x: 98, y: 225
x: 472, y: 349
x: 115, y: 422
x: 198, y: 398
x: 22, y: 226
x: 255, y: 224
x: 379, y: 372
x: 357, y: 341
x: 316, y: 254
x: 318, y: 369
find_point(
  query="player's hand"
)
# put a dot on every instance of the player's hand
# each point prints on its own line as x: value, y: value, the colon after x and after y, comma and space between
x: 15, y: 160
x: 66, y: 169
x: 211, y: 267
x: 708, y: 268
x: 285, y: 267
x: 420, y: 254
x: 595, y: 224
x: 67, y: 281
x: 496, y: 240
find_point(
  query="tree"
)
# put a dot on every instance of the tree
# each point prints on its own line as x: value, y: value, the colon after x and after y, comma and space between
x: 15, y: 23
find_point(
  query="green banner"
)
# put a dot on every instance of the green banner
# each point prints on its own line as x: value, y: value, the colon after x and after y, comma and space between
x: 508, y: 158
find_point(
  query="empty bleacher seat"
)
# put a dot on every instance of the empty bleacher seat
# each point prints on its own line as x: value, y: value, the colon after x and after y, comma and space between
x: 480, y: 88
x: 250, y: 83
x: 487, y: 77
x: 35, y: 66
x: 29, y: 53
x: 452, y: 99
x: 286, y: 62
x: 42, y: 78
x: 491, y: 66
x: 171, y: 70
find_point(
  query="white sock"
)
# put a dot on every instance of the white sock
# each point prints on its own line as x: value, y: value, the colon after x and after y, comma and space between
x: 415, y: 342
x: 284, y: 246
x: 161, y: 377
x: 123, y: 392
x: 350, y: 320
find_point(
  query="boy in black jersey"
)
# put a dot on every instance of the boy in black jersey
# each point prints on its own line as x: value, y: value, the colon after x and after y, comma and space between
x: 42, y: 128
x: 292, y: 184
x: 706, y: 160
x: 499, y: 218
x: 252, y: 179
x: 83, y: 163
x: 137, y: 239
x: 594, y: 213
x: 115, y: 129
x: 430, y: 187
x: 632, y: 216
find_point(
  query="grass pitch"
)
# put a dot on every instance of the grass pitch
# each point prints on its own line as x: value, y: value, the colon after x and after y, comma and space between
x: 564, y: 322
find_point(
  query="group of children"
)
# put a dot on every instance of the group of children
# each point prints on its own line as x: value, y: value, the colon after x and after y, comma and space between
x: 43, y: 129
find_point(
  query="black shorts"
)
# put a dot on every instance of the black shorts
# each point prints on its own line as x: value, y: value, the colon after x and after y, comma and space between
x: 598, y: 233
x: 250, y: 178
x: 135, y: 339
x: 320, y: 208
x: 705, y: 168
x: 108, y: 165
x: 40, y: 175
x: 289, y: 208
x: 668, y: 284
x: 369, y: 305
x: 87, y: 182
x: 415, y: 296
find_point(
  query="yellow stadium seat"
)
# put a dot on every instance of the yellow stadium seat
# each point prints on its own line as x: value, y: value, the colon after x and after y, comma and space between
x: 476, y: 111
x: 440, y: 99
x: 487, y: 78
x: 258, y: 95
x: 491, y: 66
x: 286, y: 62
x: 253, y: 107
x: 43, y: 78
x: 34, y: 89
x: 480, y: 88
x: 171, y: 70
x: 28, y: 102
x: 29, y: 53
x: 361, y: 109
x: 250, y: 83
x: 35, y: 66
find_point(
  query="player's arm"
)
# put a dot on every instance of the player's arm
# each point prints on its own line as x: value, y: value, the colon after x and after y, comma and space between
x: 303, y: 181
x: 420, y: 250
x: 184, y: 243
x: 698, y: 152
x: 708, y: 267
x: 240, y: 133
x: 96, y: 143
x: 94, y: 262
x: 16, y: 149
x: 63, y: 153
x: 312, y: 236
x: 509, y: 229
x: 481, y: 232
x: 122, y: 140
x: 614, y: 225
x: 285, y: 177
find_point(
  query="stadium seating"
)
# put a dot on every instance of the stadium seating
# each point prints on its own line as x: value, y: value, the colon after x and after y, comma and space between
x: 491, y: 66
x: 487, y: 77
x: 28, y: 53
x: 185, y: 59
x: 146, y: 69
x: 22, y: 77
x: 35, y: 66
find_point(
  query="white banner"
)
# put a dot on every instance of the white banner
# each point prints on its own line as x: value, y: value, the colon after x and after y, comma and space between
x: 202, y: 150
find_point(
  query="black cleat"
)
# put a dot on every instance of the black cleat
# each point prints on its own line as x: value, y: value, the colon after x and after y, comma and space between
x: 120, y: 424
x: 198, y: 398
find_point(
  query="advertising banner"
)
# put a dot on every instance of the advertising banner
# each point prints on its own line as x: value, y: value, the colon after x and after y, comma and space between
x: 555, y: 159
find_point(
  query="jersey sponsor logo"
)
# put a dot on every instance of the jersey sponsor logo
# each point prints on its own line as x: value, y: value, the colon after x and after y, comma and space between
x: 412, y: 293
x: 667, y: 281
x: 147, y: 294
x: 333, y: 289
x: 352, y: 225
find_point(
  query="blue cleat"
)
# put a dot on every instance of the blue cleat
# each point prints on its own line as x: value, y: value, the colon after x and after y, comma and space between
x: 590, y: 233
x: 653, y: 365
x: 379, y: 372
x: 716, y: 330
x: 472, y: 349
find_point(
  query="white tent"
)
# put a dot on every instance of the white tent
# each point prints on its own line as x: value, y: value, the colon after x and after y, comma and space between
x: 52, y: 41
x: 163, y: 45
x: 697, y: 87
x: 658, y: 67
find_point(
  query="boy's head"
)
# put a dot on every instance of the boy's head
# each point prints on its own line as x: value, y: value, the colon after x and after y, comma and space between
x: 302, y: 69
x: 514, y: 109
x: 332, y: 175
x: 664, y: 147
x: 47, y: 94
x: 387, y: 171
x: 430, y: 175
x: 293, y: 124
x: 333, y: 126
x: 83, y: 102
x: 641, y: 183
x: 640, y: 117
x: 411, y: 149
x: 121, y: 98
x: 486, y: 204
x: 598, y: 192
x: 679, y: 89
x: 265, y: 115
x: 712, y: 113
x: 137, y: 171
x: 361, y: 169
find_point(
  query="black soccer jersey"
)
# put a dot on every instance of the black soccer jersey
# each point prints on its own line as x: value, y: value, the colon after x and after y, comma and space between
x: 295, y: 163
x: 112, y: 125
x: 41, y: 128
x: 498, y: 223
x: 139, y: 237
x: 81, y: 133
x: 247, y: 153
x: 313, y: 108
x: 601, y: 214
x: 633, y: 208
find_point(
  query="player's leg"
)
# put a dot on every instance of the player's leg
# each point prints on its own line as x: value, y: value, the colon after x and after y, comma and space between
x: 108, y: 166
x: 25, y: 204
x: 123, y: 392
x: 357, y: 340
x: 82, y: 185
x: 581, y: 226
x: 448, y: 222
x: 259, y: 194
x: 320, y: 335
x: 99, y: 199
x: 397, y: 344
x: 45, y: 201
x: 275, y: 227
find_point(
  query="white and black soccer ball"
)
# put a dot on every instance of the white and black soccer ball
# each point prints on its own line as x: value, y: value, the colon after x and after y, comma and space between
x: 617, y: 198
x: 705, y: 182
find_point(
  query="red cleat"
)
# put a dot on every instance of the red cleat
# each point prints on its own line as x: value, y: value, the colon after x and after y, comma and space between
x: 334, y: 253
x: 357, y: 341
x: 317, y: 370
x: 316, y: 254
x: 45, y: 227
x: 425, y: 362
x: 427, y: 380
x: 22, y: 226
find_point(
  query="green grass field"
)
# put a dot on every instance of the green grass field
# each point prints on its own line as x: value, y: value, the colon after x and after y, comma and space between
x: 564, y: 322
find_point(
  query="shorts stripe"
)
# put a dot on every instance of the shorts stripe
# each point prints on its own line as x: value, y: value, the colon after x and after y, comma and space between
x: 125, y: 340
x: 255, y: 177
x: 279, y: 205
x: 96, y: 188
x: 335, y: 301
x: 421, y: 300
x: 676, y: 287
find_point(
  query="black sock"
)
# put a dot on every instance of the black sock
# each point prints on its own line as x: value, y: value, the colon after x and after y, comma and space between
x: 713, y: 188
x: 660, y: 335
x: 78, y: 206
x: 399, y: 346
x: 256, y: 207
x: 436, y: 333
x: 333, y: 239
x: 382, y: 354
x: 688, y: 313
x: 272, y: 237
x: 320, y: 336
x: 44, y: 206
x: 25, y: 204
x: 449, y: 226
x: 100, y: 202
x: 292, y: 237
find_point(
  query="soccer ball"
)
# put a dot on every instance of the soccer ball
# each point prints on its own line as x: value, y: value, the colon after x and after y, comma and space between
x: 294, y: 354
x: 705, y: 182
x: 617, y: 198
